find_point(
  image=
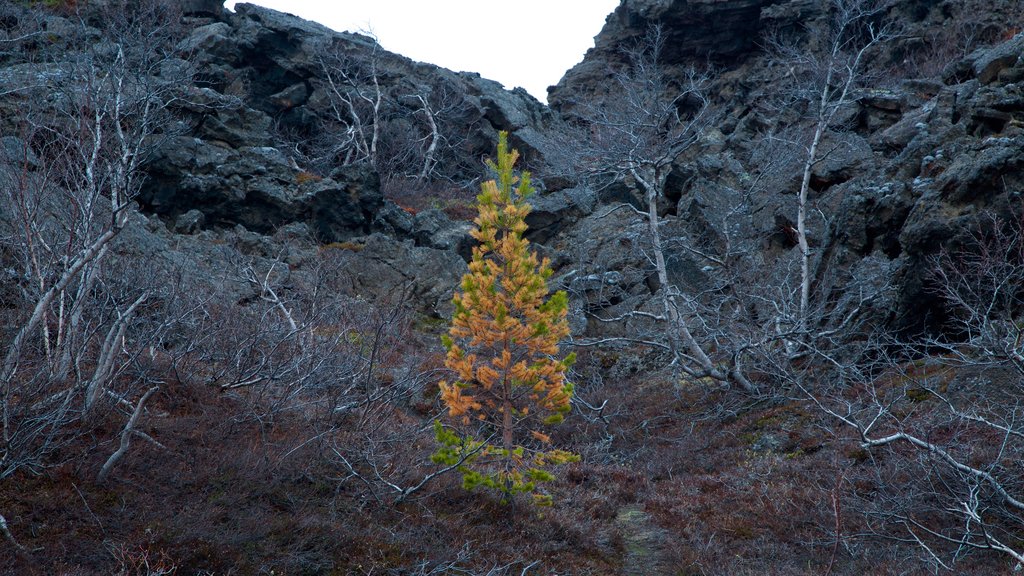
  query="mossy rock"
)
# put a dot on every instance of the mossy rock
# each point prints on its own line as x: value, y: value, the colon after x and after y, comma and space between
x: 644, y: 542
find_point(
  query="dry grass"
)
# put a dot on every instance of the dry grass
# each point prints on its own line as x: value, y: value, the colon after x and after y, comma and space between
x: 233, y: 495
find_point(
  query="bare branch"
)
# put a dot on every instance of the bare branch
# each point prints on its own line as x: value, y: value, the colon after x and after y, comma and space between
x: 126, y: 435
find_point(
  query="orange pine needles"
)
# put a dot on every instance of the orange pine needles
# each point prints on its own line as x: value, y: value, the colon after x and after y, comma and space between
x: 503, y: 345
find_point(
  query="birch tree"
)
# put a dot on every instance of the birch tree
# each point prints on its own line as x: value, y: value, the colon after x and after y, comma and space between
x: 822, y: 76
x: 950, y: 408
x: 636, y: 134
x: 69, y: 185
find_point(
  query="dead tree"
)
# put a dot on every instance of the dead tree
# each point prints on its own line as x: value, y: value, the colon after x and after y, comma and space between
x: 951, y: 407
x: 822, y: 74
x: 409, y: 136
x: 637, y: 133
x: 439, y: 114
x: 130, y: 429
x: 357, y: 104
x: 70, y: 185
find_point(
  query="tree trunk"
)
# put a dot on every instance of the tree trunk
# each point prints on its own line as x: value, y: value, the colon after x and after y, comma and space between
x: 653, y: 184
x: 801, y: 228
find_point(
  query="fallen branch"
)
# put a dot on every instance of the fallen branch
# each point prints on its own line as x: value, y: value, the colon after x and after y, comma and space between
x: 10, y: 537
x: 126, y: 435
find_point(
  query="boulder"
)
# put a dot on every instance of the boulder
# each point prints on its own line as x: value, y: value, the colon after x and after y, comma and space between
x: 552, y: 213
x: 190, y: 222
x: 850, y: 152
x: 989, y: 62
x: 235, y: 124
x: 895, y: 138
x: 393, y: 220
x: 211, y: 42
x: 434, y: 229
x: 258, y: 188
x: 881, y: 108
x: 989, y: 169
x: 383, y: 267
x: 344, y: 205
x: 272, y: 62
x: 14, y: 151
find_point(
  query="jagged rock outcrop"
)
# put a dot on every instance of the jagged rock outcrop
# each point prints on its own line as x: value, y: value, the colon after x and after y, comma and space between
x: 263, y: 76
x: 956, y: 156
x: 722, y: 31
x: 911, y: 165
x: 914, y: 161
x: 274, y: 62
x: 258, y: 188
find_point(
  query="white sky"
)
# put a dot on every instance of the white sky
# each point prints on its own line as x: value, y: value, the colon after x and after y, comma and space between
x: 528, y: 43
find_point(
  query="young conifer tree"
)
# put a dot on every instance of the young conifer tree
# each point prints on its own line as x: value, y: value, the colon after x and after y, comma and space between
x: 503, y: 348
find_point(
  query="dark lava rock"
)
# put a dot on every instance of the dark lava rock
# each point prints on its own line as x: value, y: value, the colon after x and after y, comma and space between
x: 722, y: 31
x: 258, y: 188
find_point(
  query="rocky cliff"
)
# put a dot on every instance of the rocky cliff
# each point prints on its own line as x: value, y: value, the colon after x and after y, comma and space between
x: 720, y: 31
x: 263, y: 78
x: 918, y: 158
x: 251, y: 152
x: 932, y: 138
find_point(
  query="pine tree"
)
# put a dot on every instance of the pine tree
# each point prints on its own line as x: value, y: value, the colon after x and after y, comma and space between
x: 503, y: 348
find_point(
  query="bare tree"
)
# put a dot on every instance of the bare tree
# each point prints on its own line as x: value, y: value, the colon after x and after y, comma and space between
x: 823, y: 73
x: 345, y: 371
x: 406, y: 135
x: 130, y: 430
x: 285, y: 347
x: 438, y: 112
x: 637, y: 133
x: 70, y: 188
x: 750, y: 308
x: 356, y: 102
x: 956, y: 415
x: 141, y: 561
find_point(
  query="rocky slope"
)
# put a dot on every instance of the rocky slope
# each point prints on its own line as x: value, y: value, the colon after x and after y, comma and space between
x: 923, y: 155
x: 263, y: 202
x: 930, y: 145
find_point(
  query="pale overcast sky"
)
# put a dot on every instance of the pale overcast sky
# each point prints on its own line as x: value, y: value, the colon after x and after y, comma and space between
x: 528, y: 43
